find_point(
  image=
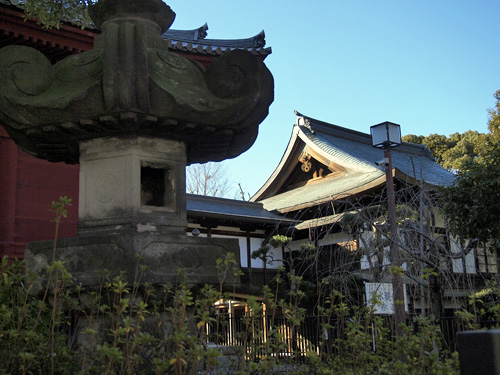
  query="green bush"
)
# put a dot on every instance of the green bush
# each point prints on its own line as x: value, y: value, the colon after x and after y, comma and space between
x: 32, y: 331
x: 141, y: 329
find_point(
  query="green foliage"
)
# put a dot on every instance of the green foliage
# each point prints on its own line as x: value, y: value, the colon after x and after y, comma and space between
x: 412, y: 138
x: 439, y: 144
x: 469, y: 149
x: 471, y: 204
x: 138, y: 329
x: 51, y: 13
x: 494, y: 118
x: 368, y: 349
x: 262, y: 253
x: 456, y: 152
x: 32, y: 333
x: 484, y: 304
x: 280, y: 241
x: 59, y: 208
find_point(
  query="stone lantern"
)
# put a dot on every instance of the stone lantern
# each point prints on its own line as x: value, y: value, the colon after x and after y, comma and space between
x: 133, y: 115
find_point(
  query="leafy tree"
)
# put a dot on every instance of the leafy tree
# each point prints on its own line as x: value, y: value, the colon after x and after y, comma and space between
x: 50, y: 13
x: 470, y: 148
x: 458, y: 152
x: 439, y: 144
x: 412, y: 138
x: 494, y: 119
x: 472, y: 204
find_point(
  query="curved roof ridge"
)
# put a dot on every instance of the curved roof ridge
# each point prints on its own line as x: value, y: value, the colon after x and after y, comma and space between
x: 187, y: 35
x: 316, y: 130
x: 326, y: 127
x: 256, y: 41
x: 190, y: 41
x: 316, y: 125
x: 336, y: 154
x: 193, y: 36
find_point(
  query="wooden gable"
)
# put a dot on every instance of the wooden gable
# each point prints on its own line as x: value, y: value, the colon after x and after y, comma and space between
x: 310, y: 167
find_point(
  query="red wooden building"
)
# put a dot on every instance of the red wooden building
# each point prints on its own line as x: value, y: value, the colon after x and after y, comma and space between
x: 28, y: 185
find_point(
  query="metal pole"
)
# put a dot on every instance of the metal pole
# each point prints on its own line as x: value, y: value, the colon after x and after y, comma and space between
x: 397, y: 281
x: 422, y: 244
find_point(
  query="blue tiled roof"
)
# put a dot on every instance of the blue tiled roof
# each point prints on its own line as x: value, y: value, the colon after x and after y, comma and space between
x: 195, y: 41
x: 412, y: 160
x: 353, y: 151
x: 318, y: 192
x: 231, y: 209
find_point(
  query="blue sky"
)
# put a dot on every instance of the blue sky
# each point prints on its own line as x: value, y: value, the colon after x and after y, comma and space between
x: 430, y: 66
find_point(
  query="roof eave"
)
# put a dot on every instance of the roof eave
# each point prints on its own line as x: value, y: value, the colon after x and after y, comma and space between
x: 239, y: 218
x: 269, y: 187
x: 348, y: 193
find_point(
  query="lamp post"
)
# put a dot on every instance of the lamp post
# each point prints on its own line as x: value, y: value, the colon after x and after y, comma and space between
x: 386, y: 135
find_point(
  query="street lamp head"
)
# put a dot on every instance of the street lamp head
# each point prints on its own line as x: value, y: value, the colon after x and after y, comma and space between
x: 386, y: 134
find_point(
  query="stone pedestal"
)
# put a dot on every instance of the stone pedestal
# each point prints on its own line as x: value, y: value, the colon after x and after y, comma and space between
x: 133, y: 210
x: 86, y: 257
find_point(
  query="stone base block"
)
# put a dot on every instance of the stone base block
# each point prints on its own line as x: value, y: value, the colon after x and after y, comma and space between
x: 162, y: 254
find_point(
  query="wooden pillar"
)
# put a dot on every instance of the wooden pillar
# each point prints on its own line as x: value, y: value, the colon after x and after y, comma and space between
x: 249, y: 256
x: 8, y: 182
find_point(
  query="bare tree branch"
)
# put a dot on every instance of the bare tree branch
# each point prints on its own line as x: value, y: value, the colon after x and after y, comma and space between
x: 209, y: 179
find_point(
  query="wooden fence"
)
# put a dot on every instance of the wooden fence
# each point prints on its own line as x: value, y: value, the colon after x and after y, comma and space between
x: 276, y: 335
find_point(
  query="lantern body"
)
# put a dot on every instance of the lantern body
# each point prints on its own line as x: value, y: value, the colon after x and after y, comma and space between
x: 386, y: 134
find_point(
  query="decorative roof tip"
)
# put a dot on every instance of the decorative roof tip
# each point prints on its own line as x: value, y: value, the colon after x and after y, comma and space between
x: 260, y: 40
x: 201, y: 32
x: 304, y: 121
x: 337, y: 130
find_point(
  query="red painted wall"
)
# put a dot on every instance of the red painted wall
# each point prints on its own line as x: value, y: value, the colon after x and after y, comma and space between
x: 27, y: 187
